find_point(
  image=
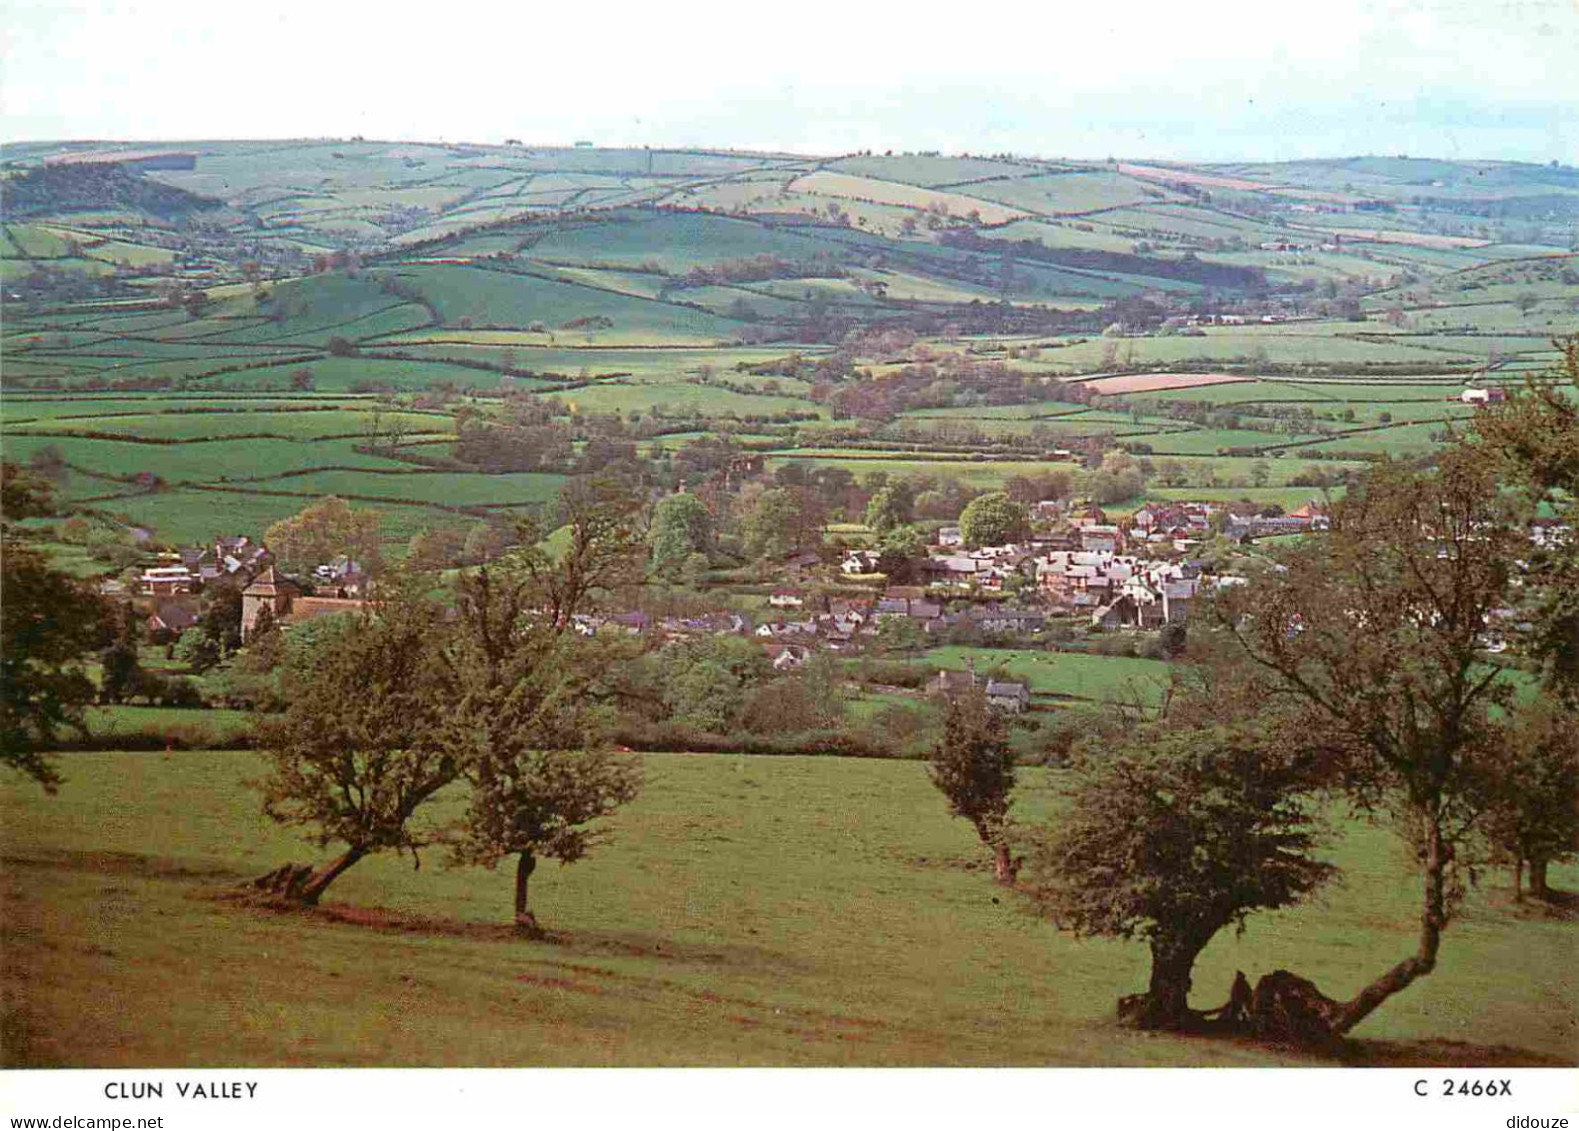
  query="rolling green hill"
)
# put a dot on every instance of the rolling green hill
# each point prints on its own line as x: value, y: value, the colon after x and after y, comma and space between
x: 881, y: 300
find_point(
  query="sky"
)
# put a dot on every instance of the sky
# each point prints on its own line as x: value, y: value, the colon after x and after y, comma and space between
x: 1215, y: 81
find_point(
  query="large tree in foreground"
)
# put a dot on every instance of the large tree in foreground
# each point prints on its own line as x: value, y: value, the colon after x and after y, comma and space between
x: 361, y: 746
x: 48, y: 621
x: 973, y: 766
x: 527, y: 733
x: 1377, y: 632
x: 1172, y: 835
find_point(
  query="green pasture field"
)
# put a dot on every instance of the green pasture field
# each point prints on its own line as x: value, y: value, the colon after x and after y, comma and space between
x: 201, y: 461
x: 389, y: 320
x: 35, y: 241
x: 83, y: 369
x: 131, y: 254
x: 315, y: 303
x: 443, y: 487
x: 189, y: 516
x: 1230, y: 394
x: 567, y: 360
x: 1440, y: 390
x: 1548, y: 314
x: 345, y: 374
x: 1404, y: 438
x: 673, y: 242
x: 845, y: 186
x: 928, y: 172
x: 678, y: 398
x: 18, y: 269
x: 1370, y: 412
x: 782, y: 298
x: 748, y: 911
x: 238, y: 420
x: 1289, y: 498
x: 1250, y: 345
x: 27, y: 409
x: 1059, y: 428
x: 194, y: 727
x: 638, y: 284
x: 1067, y: 233
x: 1187, y: 220
x: 906, y: 287
x: 988, y: 474
x: 1063, y: 194
x: 1208, y: 441
x: 1233, y: 472
x: 1070, y: 674
x: 497, y: 298
x: 1044, y: 410
x: 72, y: 559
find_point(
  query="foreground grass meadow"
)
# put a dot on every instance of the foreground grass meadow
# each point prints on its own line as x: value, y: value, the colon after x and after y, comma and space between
x: 749, y: 910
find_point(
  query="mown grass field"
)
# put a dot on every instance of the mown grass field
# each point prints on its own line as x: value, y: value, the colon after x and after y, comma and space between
x: 191, y: 726
x: 1067, y: 674
x: 749, y: 911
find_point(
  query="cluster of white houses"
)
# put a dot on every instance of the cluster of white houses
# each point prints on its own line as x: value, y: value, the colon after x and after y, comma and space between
x: 1134, y: 573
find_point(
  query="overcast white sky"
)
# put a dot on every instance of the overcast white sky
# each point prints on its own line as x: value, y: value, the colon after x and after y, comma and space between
x: 1238, y: 79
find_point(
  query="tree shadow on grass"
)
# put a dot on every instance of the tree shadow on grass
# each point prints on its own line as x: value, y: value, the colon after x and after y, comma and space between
x: 1364, y: 1053
x: 583, y: 943
x: 104, y: 863
x: 1367, y: 1053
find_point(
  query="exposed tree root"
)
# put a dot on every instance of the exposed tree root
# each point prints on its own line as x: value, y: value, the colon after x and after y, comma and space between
x: 287, y: 882
x: 1283, y: 1009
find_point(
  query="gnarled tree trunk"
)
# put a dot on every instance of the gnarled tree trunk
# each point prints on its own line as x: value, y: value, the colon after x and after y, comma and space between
x: 313, y: 890
x: 1538, y: 887
x: 301, y: 883
x: 1290, y: 1009
x: 1165, y: 1004
x: 525, y: 921
x: 1433, y: 917
x: 1005, y: 868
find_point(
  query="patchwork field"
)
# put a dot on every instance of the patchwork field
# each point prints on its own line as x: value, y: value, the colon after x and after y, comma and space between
x: 1153, y: 382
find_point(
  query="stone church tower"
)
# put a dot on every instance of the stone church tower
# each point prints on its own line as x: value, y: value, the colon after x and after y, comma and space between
x: 267, y: 589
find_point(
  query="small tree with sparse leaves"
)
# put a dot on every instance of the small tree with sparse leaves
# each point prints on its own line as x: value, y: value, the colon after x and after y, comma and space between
x: 973, y: 766
x: 362, y: 744
x: 528, y: 735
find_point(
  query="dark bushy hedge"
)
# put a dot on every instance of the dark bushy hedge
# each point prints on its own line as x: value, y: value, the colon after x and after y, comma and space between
x: 841, y: 743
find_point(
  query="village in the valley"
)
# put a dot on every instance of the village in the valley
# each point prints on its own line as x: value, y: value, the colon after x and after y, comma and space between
x: 1081, y: 572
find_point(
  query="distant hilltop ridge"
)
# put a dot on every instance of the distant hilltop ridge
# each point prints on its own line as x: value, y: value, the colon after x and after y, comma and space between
x: 132, y: 151
x: 138, y: 158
